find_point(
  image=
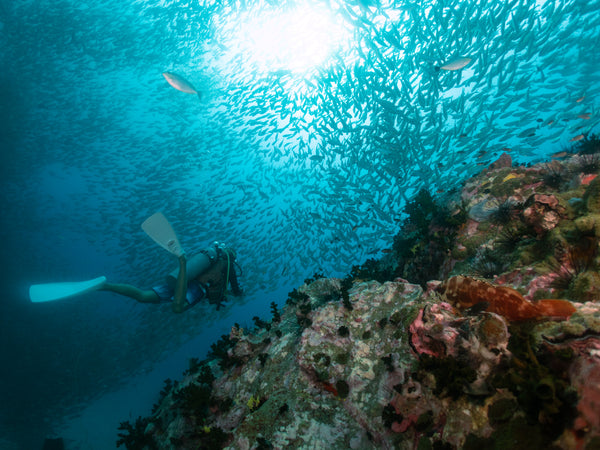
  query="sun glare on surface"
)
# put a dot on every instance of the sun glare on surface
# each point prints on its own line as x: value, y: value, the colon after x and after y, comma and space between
x: 295, y: 40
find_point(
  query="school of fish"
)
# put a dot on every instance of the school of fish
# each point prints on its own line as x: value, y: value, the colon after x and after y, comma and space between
x: 305, y: 171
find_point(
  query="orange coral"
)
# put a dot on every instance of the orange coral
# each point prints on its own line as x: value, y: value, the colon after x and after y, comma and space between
x: 465, y: 292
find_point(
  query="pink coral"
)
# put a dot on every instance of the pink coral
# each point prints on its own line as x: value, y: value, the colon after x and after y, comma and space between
x: 430, y: 332
x: 585, y: 377
x: 543, y: 212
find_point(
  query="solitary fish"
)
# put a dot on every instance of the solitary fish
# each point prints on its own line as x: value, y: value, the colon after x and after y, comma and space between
x: 577, y: 138
x: 455, y: 64
x: 181, y: 84
x: 561, y: 154
x: 466, y: 292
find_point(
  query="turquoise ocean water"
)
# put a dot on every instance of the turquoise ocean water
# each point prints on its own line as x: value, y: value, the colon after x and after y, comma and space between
x: 318, y: 120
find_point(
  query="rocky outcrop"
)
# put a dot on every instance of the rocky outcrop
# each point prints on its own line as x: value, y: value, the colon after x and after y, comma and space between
x: 360, y: 364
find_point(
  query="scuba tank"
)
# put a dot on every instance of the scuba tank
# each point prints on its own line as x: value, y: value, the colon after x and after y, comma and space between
x: 197, y: 264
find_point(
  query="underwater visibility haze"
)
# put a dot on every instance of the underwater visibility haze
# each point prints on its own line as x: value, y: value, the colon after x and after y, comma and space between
x: 295, y: 131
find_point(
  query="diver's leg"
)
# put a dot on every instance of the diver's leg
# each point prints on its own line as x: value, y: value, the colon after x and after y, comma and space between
x: 179, y: 302
x: 142, y: 296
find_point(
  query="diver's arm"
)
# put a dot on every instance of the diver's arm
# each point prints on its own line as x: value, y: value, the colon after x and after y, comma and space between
x: 233, y: 281
x: 179, y: 302
x: 142, y: 296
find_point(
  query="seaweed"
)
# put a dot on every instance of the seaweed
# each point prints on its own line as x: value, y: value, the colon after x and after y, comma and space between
x: 259, y: 323
x: 302, y: 312
x: 275, y: 312
x: 134, y: 437
x: 195, y: 399
x: 167, y: 388
x: 295, y: 297
x: 346, y: 284
x: 205, y: 376
x: 426, y: 235
x: 219, y: 350
x: 316, y: 276
x: 193, y: 366
x: 373, y: 269
x: 422, y: 211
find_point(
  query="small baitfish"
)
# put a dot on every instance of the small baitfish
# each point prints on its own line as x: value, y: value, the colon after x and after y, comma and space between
x: 181, y: 84
x: 455, y: 64
x: 465, y: 292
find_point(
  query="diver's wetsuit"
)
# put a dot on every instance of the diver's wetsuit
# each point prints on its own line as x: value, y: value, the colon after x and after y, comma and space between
x: 211, y: 283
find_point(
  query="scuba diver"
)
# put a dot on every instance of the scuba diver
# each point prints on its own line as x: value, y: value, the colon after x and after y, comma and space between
x: 205, y: 275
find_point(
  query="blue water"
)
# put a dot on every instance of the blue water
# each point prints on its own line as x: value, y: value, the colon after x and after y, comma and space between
x: 300, y: 155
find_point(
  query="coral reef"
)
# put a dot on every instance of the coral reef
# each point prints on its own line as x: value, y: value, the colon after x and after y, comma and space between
x: 480, y: 329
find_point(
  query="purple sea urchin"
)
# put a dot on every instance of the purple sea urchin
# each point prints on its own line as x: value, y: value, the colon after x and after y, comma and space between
x: 554, y: 174
x: 590, y: 144
x: 569, y: 263
x: 505, y: 212
x: 589, y: 163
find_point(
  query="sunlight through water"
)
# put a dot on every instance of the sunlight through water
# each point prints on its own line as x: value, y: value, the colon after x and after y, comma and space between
x: 294, y: 40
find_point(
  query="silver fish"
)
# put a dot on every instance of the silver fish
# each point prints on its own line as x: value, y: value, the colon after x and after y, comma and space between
x: 181, y: 84
x: 455, y: 64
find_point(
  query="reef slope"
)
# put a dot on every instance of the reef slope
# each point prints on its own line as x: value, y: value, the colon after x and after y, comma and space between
x: 502, y: 351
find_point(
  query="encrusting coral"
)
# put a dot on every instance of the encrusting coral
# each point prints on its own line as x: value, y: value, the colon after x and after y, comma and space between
x: 447, y: 359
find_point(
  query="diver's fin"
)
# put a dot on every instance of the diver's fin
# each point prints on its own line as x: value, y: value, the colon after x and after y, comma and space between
x: 158, y: 228
x: 55, y: 291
